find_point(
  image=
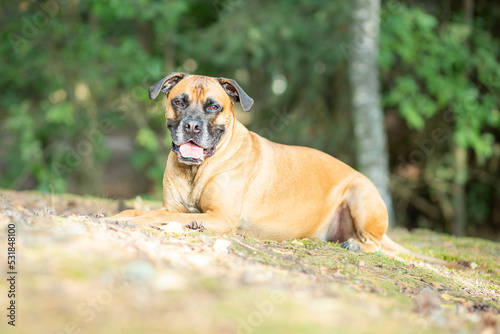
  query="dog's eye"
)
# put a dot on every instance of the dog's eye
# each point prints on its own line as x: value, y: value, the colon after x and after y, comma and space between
x: 214, y: 107
x: 178, y: 103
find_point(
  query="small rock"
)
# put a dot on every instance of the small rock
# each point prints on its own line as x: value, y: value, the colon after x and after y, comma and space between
x: 360, y: 263
x: 473, y: 265
x: 138, y: 271
x: 174, y: 229
x: 169, y: 281
x: 76, y: 229
x: 428, y: 304
x: 221, y: 245
x: 248, y: 277
x: 252, y: 276
x: 446, y: 297
x: 198, y: 260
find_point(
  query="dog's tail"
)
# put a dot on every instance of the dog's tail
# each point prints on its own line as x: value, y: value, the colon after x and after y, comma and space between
x: 391, y: 245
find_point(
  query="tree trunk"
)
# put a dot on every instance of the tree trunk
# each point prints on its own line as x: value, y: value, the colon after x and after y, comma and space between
x: 460, y: 159
x: 368, y: 117
x: 458, y: 190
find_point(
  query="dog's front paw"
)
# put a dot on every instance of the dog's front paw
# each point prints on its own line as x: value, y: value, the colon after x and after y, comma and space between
x: 195, y: 226
x: 352, y: 245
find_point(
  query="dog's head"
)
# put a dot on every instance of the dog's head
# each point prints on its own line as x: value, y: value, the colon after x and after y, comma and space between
x: 198, y: 112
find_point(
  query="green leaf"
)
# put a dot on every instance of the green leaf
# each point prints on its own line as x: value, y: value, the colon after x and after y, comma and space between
x: 147, y: 139
x: 60, y: 114
x: 411, y: 115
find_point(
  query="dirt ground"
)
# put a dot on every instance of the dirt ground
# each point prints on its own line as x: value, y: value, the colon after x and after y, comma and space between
x: 77, y: 273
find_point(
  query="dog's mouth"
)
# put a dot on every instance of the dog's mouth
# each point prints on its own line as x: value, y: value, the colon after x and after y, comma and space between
x: 191, y: 153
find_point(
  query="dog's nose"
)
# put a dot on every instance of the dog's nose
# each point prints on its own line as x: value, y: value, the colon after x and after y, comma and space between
x: 192, y: 126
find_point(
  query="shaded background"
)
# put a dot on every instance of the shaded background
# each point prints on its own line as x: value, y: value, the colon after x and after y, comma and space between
x: 75, y: 116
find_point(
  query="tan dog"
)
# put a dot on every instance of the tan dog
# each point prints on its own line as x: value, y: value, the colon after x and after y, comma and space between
x: 235, y: 181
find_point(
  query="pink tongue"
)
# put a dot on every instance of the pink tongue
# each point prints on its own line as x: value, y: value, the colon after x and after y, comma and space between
x: 191, y: 150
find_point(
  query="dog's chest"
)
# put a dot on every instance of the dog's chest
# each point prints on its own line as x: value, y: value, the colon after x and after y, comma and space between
x: 190, y: 201
x: 180, y: 196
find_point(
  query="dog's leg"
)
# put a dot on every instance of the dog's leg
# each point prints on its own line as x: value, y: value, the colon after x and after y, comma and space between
x: 128, y: 214
x: 369, y: 217
x: 212, y: 221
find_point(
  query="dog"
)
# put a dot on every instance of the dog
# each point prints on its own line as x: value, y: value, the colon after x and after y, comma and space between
x: 232, y: 180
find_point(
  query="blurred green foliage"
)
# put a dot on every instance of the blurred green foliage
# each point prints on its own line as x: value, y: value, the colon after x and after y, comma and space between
x: 431, y: 68
x: 442, y: 78
x: 76, y: 72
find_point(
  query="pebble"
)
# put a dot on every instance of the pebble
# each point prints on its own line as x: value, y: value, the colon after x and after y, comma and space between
x: 221, y: 245
x: 174, y: 229
x: 169, y: 281
x: 137, y: 271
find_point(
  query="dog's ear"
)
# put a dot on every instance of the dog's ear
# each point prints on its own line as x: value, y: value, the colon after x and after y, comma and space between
x: 165, y: 84
x: 236, y: 93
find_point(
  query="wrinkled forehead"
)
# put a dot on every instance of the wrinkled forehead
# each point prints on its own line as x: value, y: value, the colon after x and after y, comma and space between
x: 200, y: 88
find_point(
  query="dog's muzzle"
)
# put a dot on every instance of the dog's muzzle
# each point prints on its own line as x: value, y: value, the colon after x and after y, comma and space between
x: 192, y: 153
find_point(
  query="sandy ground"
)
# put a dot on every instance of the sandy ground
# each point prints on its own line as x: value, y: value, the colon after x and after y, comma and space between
x: 77, y: 273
